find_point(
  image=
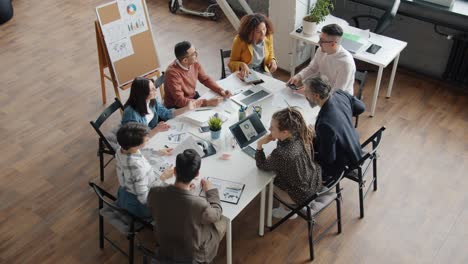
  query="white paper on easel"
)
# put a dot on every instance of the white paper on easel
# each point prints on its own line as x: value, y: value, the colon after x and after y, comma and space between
x: 120, y: 49
x: 114, y: 31
x: 133, y: 16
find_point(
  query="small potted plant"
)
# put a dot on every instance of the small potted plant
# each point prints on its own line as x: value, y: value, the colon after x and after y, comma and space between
x: 215, y: 124
x: 317, y: 14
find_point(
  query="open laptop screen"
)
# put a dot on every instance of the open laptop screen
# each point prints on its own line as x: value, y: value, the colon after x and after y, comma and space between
x: 248, y: 130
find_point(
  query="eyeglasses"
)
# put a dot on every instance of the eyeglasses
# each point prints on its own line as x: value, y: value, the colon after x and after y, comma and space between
x: 321, y: 41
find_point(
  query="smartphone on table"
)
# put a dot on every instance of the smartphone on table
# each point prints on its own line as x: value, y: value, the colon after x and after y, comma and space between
x: 292, y: 86
x: 204, y: 129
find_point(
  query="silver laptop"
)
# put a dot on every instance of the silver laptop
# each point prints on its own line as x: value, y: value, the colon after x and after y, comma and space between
x: 251, y: 95
x: 351, y: 45
x: 247, y: 131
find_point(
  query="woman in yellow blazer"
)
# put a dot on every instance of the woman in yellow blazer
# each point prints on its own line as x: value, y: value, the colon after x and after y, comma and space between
x: 252, y: 47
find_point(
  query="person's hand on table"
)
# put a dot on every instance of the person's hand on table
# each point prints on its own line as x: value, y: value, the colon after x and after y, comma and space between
x: 243, y: 71
x: 168, y: 173
x: 206, y: 185
x: 197, y: 103
x: 165, y: 151
x: 296, y: 80
x: 301, y: 90
x: 192, y: 104
x: 264, y: 140
x: 226, y: 94
x: 273, y: 66
x: 214, y: 101
x: 161, y: 127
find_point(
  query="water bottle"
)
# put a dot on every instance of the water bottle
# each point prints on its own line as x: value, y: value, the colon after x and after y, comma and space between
x: 242, y: 113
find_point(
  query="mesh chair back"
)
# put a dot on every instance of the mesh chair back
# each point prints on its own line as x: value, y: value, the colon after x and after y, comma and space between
x: 159, y: 83
x: 102, y: 194
x: 102, y: 118
x: 224, y: 54
x: 360, y: 77
x: 375, y: 139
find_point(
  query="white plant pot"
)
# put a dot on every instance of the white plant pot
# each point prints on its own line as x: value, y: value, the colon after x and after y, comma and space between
x: 309, y: 28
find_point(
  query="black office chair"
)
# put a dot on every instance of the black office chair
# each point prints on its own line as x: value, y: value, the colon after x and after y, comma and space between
x: 356, y: 172
x: 125, y: 222
x: 159, y: 83
x: 152, y: 257
x: 6, y: 11
x: 360, y: 77
x: 314, y: 206
x: 105, y: 147
x: 224, y: 70
x: 384, y: 21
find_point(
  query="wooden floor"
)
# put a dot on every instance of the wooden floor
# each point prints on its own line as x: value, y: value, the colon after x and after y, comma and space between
x: 50, y: 91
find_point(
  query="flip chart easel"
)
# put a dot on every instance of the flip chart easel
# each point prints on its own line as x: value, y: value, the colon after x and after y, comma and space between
x: 141, y: 60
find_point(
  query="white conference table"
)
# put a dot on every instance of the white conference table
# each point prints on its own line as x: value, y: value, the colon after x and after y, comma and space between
x: 241, y: 167
x: 390, y: 51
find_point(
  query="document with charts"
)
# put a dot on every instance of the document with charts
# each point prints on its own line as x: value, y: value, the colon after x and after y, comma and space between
x: 229, y: 192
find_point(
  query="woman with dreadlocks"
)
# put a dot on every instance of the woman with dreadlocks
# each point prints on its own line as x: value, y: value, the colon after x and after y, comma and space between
x: 298, y: 176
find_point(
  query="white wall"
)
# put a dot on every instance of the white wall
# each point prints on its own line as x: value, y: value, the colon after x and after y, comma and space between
x: 286, y: 15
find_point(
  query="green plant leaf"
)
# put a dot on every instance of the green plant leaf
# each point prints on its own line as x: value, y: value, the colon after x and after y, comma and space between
x: 215, y: 123
x: 318, y: 12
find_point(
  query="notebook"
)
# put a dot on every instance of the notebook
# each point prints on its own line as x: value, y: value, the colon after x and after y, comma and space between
x: 200, y: 116
x: 248, y: 131
x: 252, y: 95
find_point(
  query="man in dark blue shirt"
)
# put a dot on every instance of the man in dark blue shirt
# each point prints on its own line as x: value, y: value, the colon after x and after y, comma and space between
x: 336, y: 140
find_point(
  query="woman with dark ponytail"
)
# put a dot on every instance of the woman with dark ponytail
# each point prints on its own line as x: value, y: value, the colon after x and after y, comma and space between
x: 298, y: 176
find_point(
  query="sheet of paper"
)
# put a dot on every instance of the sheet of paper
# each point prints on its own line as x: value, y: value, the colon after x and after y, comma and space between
x: 114, y: 31
x: 286, y: 97
x: 120, y: 49
x: 132, y: 16
x: 232, y: 83
x: 188, y: 143
x: 176, y: 137
x: 251, y: 77
x: 176, y: 126
x: 158, y: 162
x: 228, y: 191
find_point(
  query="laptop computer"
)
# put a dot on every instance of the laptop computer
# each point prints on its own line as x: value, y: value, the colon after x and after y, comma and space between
x: 351, y: 45
x: 252, y: 95
x: 247, y: 131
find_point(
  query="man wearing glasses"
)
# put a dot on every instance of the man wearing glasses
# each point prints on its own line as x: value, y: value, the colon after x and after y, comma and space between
x: 181, y: 79
x: 331, y: 61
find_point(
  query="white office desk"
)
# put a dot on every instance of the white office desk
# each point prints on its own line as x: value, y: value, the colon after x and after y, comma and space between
x: 390, y: 51
x: 241, y: 167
